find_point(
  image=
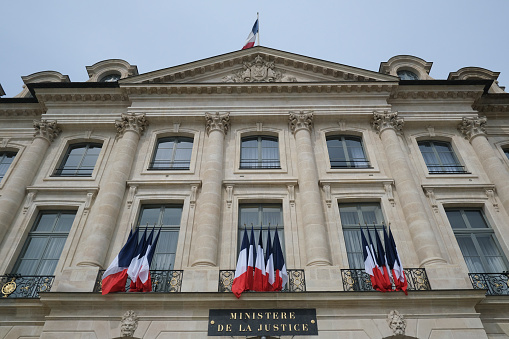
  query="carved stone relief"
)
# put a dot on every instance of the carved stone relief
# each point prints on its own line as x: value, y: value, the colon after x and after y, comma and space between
x: 217, y: 122
x: 301, y: 120
x: 132, y: 122
x: 471, y: 127
x: 128, y: 324
x: 259, y: 70
x: 47, y: 129
x: 384, y: 120
x: 396, y: 322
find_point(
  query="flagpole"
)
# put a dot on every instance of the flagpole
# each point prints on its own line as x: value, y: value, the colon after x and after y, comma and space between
x: 258, y: 19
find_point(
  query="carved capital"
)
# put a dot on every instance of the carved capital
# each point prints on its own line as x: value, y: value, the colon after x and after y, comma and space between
x: 471, y: 127
x: 300, y: 120
x: 217, y: 122
x: 47, y: 129
x: 131, y: 122
x: 385, y: 120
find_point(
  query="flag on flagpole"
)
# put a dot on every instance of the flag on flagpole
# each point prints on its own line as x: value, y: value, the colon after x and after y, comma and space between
x: 397, y: 270
x: 251, y: 260
x: 269, y: 264
x: 369, y: 261
x: 281, y: 275
x: 260, y: 280
x: 115, y: 276
x: 382, y: 263
x: 144, y: 282
x: 377, y: 274
x: 240, y: 279
x: 135, y: 266
x: 251, y: 39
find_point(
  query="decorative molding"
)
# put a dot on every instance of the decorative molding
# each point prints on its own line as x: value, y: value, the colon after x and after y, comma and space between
x: 435, y: 94
x: 29, y: 200
x: 342, y: 125
x: 328, y: 197
x: 430, y: 193
x: 192, y: 197
x: 431, y: 131
x: 128, y: 324
x: 384, y: 120
x: 260, y: 70
x: 300, y: 120
x: 47, y: 129
x: 133, y: 189
x: 471, y: 127
x: 389, y: 193
x: 217, y: 122
x: 291, y: 194
x: 229, y: 195
x: 5, y: 142
x: 88, y: 202
x: 67, y: 97
x: 259, y: 126
x: 88, y: 134
x: 396, y: 322
x: 490, y: 193
x: 21, y: 112
x: 131, y: 122
x: 176, y: 127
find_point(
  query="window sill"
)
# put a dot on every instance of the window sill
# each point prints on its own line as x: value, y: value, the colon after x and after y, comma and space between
x: 62, y: 178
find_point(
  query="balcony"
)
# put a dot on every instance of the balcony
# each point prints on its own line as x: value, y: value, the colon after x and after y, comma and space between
x: 163, y: 281
x: 26, y: 286
x: 494, y: 283
x: 296, y: 281
x: 357, y: 280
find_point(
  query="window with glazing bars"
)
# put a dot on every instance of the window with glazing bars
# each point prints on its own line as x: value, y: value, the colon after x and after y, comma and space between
x: 476, y: 240
x: 166, y: 217
x: 6, y: 159
x: 45, y: 243
x: 346, y: 151
x: 79, y: 160
x: 172, y: 153
x: 440, y: 158
x: 259, y: 152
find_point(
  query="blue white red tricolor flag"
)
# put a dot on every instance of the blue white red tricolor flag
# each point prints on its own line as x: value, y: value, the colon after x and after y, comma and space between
x: 394, y: 263
x: 251, y: 260
x: 281, y: 275
x: 269, y: 265
x: 260, y: 279
x: 251, y: 39
x: 240, y: 279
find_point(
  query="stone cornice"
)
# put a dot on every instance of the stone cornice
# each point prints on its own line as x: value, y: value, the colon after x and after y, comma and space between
x: 82, y: 97
x: 492, y: 103
x: 434, y: 93
x: 21, y: 109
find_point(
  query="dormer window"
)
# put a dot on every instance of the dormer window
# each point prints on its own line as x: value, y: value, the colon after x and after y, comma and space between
x: 407, y: 75
x: 110, y: 78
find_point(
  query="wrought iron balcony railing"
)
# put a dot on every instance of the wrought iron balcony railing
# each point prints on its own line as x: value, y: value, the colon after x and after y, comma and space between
x: 169, y: 165
x: 494, y: 283
x: 296, y: 281
x: 25, y: 286
x: 162, y: 281
x: 357, y: 280
x: 260, y: 164
x: 447, y: 169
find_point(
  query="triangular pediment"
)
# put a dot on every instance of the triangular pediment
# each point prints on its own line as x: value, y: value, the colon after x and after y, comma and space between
x: 258, y: 65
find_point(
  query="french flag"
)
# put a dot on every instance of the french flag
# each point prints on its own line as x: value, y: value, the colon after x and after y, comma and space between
x: 369, y: 261
x: 135, y: 266
x: 251, y: 261
x: 382, y: 263
x: 379, y: 281
x: 269, y: 266
x: 395, y: 264
x: 260, y: 280
x: 281, y: 275
x: 250, y: 42
x: 144, y: 283
x: 115, y: 277
x: 240, y: 279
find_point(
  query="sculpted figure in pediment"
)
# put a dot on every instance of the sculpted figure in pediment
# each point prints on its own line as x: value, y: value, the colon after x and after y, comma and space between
x: 258, y: 71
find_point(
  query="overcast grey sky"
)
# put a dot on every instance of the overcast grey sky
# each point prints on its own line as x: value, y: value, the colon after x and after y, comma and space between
x: 66, y: 36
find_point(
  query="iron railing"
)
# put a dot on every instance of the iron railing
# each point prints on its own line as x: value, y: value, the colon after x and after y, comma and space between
x: 162, y: 281
x: 169, y: 165
x: 357, y: 280
x: 25, y: 286
x: 260, y: 164
x: 355, y: 163
x: 447, y: 169
x: 296, y: 281
x: 493, y: 283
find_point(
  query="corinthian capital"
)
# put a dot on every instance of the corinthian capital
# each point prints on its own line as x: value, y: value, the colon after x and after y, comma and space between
x: 471, y: 127
x: 217, y: 122
x: 300, y: 120
x: 47, y: 129
x: 131, y: 122
x: 385, y: 119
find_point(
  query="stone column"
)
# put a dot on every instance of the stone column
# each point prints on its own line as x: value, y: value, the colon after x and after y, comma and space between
x: 97, y: 236
x: 208, y: 206
x: 13, y: 191
x: 426, y: 245
x: 474, y: 130
x: 317, y: 243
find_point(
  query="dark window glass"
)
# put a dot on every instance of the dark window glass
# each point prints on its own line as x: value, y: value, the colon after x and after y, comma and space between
x: 506, y: 152
x: 352, y: 217
x: 346, y: 152
x: 172, y: 153
x: 79, y: 160
x: 45, y: 243
x: 477, y: 241
x: 259, y: 152
x: 168, y: 218
x: 407, y: 75
x: 261, y: 216
x: 6, y: 159
x: 440, y: 158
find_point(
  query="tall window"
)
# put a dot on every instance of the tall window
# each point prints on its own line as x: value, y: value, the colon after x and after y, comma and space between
x: 477, y: 241
x: 259, y: 152
x: 79, y: 160
x: 352, y: 217
x: 172, y: 153
x: 346, y: 151
x: 6, y: 159
x: 440, y: 158
x: 261, y: 216
x: 45, y: 242
x: 168, y: 218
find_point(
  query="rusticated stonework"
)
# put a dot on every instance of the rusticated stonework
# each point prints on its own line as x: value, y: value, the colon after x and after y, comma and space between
x: 471, y: 127
x: 259, y: 71
x: 47, y: 129
x: 216, y: 121
x: 131, y: 121
x: 384, y: 120
x: 300, y: 120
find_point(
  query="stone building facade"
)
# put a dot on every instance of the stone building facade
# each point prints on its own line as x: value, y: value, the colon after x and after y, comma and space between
x: 258, y: 136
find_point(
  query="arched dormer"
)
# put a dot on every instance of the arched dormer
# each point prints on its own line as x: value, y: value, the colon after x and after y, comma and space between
x: 44, y: 76
x: 407, y: 67
x: 111, y: 70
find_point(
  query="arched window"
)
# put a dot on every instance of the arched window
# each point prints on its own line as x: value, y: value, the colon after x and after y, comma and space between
x: 172, y: 153
x: 259, y: 152
x: 346, y: 151
x: 79, y: 160
x: 440, y: 158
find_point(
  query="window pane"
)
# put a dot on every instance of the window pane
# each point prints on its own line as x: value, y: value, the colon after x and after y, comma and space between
x: 455, y: 219
x: 472, y: 258
x: 172, y: 216
x: 150, y: 216
x: 6, y: 159
x: 475, y: 219
x: 249, y: 215
x: 346, y: 151
x: 439, y: 157
x: 35, y: 247
x: 259, y: 152
x: 172, y: 153
x: 46, y: 222
x: 80, y: 160
x: 64, y: 222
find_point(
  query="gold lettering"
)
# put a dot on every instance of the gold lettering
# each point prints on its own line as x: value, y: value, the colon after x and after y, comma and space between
x: 296, y: 327
x: 275, y: 327
x: 283, y: 315
x: 268, y: 315
x: 228, y: 328
x: 292, y: 315
x: 220, y: 328
x: 305, y: 327
x: 233, y: 316
x: 267, y: 327
x: 260, y: 328
x: 247, y: 315
x: 275, y: 315
x: 260, y: 315
x: 248, y: 328
x: 240, y: 328
x: 283, y: 326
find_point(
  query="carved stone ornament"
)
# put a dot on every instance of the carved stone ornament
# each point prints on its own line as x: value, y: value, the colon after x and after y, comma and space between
x: 301, y: 120
x: 396, y: 322
x: 384, y: 120
x: 46, y: 129
x: 128, y: 324
x: 217, y: 122
x: 259, y: 71
x: 471, y: 127
x: 132, y: 122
